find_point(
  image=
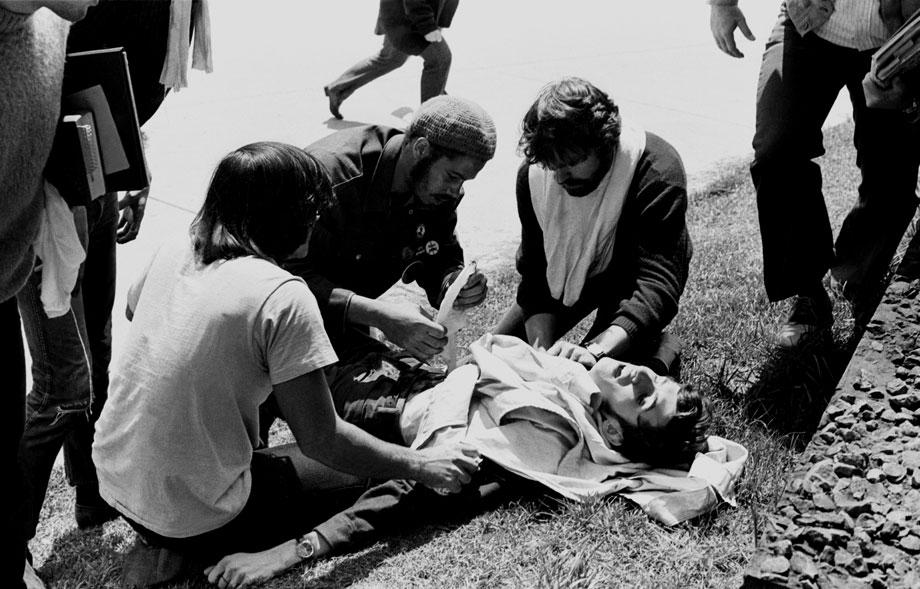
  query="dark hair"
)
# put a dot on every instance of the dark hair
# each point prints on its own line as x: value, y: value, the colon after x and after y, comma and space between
x: 262, y: 201
x: 678, y: 441
x: 570, y: 119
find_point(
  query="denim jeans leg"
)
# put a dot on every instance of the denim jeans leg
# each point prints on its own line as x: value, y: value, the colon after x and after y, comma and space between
x: 98, y: 289
x: 61, y: 385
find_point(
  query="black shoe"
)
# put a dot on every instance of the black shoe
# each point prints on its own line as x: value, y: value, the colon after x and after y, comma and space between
x: 810, y: 316
x: 335, y: 101
x: 91, y: 511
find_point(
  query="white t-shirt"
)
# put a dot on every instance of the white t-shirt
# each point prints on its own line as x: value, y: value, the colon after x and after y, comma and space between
x: 207, y: 344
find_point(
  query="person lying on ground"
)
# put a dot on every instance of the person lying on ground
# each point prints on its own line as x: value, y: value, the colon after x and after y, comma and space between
x: 602, y: 207
x: 217, y: 325
x: 618, y: 428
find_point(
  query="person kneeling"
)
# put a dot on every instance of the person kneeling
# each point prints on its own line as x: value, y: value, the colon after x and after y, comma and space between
x: 217, y: 325
x: 602, y: 206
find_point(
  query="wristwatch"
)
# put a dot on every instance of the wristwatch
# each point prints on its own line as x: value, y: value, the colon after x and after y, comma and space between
x: 305, y: 548
x: 596, y: 350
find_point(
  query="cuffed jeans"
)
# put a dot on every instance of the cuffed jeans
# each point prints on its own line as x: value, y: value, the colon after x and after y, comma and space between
x: 437, y: 58
x: 800, y: 79
x: 70, y: 361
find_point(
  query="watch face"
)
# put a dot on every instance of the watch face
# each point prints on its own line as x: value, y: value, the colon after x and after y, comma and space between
x: 304, y: 548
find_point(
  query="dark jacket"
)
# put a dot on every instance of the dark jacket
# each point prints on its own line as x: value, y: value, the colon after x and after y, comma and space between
x: 651, y: 254
x: 373, y: 237
x: 406, y: 22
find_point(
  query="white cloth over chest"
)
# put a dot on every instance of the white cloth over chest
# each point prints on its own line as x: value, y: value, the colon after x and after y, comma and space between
x: 579, y: 232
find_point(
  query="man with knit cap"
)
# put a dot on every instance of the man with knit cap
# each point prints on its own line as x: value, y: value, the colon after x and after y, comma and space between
x: 395, y: 216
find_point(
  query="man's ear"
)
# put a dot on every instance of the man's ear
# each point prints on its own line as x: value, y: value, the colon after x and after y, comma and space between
x: 420, y: 148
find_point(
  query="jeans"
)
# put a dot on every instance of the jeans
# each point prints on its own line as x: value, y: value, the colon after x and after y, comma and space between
x: 437, y: 58
x: 13, y: 556
x: 70, y: 362
x: 800, y: 79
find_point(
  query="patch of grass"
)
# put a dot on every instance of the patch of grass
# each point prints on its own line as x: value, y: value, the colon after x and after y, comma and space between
x: 765, y: 401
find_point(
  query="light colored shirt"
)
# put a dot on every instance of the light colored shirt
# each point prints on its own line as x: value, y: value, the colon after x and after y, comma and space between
x: 207, y: 344
x: 856, y: 24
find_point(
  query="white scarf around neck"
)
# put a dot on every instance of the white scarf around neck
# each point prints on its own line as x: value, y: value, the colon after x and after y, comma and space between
x: 579, y: 232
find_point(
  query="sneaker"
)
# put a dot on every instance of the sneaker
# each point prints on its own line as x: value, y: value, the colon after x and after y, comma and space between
x: 30, y: 578
x: 810, y: 315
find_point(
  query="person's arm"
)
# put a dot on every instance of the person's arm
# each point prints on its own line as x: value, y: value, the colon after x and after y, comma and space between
x: 307, y: 406
x: 663, y: 252
x: 404, y: 324
x: 724, y: 18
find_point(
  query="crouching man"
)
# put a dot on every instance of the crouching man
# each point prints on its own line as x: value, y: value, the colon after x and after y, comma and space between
x: 602, y: 208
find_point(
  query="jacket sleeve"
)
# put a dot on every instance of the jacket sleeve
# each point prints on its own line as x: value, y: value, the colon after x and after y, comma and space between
x: 435, y: 273
x: 664, y: 246
x: 332, y: 298
x: 379, y: 509
x: 533, y: 291
x: 422, y: 15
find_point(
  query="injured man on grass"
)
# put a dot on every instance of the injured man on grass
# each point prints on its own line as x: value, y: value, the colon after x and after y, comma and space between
x: 618, y: 428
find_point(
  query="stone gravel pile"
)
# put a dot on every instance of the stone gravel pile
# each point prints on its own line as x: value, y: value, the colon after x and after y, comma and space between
x: 850, y: 513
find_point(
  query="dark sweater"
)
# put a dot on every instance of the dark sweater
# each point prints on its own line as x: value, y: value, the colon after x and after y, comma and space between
x: 651, y: 254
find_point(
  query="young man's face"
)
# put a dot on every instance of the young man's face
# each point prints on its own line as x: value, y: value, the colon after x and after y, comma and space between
x: 580, y: 175
x: 438, y: 182
x: 631, y: 394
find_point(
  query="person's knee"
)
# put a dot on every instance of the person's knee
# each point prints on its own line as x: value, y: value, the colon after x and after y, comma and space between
x: 438, y: 56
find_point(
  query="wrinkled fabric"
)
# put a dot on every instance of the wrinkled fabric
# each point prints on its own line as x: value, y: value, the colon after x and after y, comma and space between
x: 58, y: 246
x: 530, y: 413
x: 579, y: 233
x: 183, y: 16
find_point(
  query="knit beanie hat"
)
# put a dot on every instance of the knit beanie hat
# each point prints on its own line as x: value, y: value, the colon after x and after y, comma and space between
x: 456, y: 124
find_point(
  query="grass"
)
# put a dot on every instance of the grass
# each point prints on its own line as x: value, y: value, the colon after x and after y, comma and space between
x: 768, y: 402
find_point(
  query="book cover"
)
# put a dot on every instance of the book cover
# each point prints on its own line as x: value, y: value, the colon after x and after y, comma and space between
x: 74, y: 165
x: 108, y: 69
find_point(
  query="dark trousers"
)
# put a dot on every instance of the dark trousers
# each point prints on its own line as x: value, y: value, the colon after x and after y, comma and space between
x: 12, y: 417
x: 437, y: 58
x: 70, y: 362
x: 284, y: 502
x: 800, y: 79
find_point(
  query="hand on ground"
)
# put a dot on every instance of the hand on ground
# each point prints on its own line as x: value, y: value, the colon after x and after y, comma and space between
x: 239, y: 570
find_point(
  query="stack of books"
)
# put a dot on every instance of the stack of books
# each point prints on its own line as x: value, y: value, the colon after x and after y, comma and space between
x: 97, y: 147
x: 900, y: 53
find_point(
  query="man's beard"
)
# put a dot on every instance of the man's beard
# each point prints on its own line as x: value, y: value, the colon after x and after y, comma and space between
x: 578, y: 188
x: 418, y: 176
